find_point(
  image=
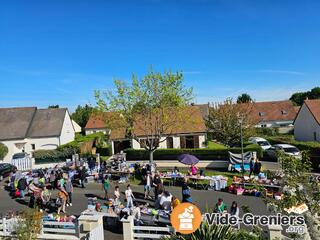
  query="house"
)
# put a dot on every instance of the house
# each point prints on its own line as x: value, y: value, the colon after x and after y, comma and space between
x: 307, y: 122
x: 280, y: 114
x: 97, y: 123
x: 25, y: 129
x: 76, y: 126
x: 189, y: 132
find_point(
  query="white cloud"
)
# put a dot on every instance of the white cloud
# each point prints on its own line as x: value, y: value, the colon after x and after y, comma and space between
x: 280, y: 71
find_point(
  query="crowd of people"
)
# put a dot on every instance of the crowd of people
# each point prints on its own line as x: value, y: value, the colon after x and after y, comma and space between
x: 39, y: 185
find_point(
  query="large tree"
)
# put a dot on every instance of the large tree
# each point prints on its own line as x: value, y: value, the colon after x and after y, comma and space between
x: 226, y: 119
x: 82, y: 114
x: 244, y: 98
x: 299, y: 97
x: 148, y: 108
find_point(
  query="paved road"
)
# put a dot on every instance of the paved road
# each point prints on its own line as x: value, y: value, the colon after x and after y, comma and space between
x: 203, y: 199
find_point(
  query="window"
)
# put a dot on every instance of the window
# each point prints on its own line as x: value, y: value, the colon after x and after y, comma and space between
x: 263, y: 125
x: 315, y: 136
x: 284, y: 112
x: 33, y: 146
x: 261, y: 114
x: 169, y: 142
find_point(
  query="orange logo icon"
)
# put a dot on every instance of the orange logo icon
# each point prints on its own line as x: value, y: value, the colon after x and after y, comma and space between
x: 186, y: 218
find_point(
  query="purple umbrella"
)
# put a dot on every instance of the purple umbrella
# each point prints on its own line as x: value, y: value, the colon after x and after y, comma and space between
x: 188, y: 159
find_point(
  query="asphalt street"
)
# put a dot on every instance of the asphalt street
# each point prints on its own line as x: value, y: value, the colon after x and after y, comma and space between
x: 204, y: 199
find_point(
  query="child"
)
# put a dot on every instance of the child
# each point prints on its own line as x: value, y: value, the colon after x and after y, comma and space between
x: 106, y: 186
x: 129, y: 197
x: 147, y: 186
x: 61, y: 201
x: 220, y: 207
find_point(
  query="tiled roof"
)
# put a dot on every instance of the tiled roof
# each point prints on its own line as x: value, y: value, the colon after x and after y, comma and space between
x: 314, y: 107
x: 19, y: 123
x: 273, y: 111
x: 189, y: 120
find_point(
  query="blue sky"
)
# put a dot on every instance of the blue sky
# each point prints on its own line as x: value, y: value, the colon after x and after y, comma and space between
x: 59, y: 52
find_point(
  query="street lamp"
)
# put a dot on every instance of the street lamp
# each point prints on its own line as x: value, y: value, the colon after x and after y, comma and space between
x: 241, y: 136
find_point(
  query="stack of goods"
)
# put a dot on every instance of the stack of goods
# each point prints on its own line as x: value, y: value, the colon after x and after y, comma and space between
x: 255, y: 186
x: 92, y: 202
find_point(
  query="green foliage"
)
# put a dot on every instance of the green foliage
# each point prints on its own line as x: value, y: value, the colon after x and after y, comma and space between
x: 299, y: 97
x: 29, y: 225
x: 82, y: 114
x: 202, y: 153
x: 209, y: 232
x: 244, y: 98
x: 99, y: 137
x: 3, y: 150
x: 299, y: 187
x: 226, y: 120
x: 220, y: 232
x: 149, y: 103
x: 215, y: 145
x: 53, y: 106
x: 272, y: 131
x: 67, y: 150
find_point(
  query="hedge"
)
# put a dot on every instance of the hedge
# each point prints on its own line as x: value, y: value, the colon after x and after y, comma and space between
x: 202, y: 153
x: 3, y: 150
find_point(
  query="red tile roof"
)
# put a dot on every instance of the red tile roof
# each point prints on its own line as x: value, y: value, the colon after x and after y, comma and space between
x: 191, y: 121
x: 273, y: 111
x: 314, y: 107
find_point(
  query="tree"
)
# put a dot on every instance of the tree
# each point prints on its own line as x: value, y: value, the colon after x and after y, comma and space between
x: 299, y: 187
x: 3, y: 150
x: 299, y: 97
x: 53, y: 106
x: 224, y: 122
x: 29, y: 225
x: 148, y: 107
x: 82, y: 114
x: 244, y: 98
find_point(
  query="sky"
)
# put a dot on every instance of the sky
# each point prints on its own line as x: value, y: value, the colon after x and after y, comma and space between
x: 60, y: 51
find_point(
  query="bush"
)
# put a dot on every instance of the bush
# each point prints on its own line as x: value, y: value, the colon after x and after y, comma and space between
x: 267, y: 131
x: 3, y: 150
x: 202, y: 153
x: 105, y: 151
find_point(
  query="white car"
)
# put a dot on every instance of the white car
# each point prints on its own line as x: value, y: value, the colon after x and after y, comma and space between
x: 263, y: 143
x: 288, y: 149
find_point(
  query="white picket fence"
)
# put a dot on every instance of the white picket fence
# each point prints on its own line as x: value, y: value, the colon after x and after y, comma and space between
x: 22, y: 164
x: 131, y: 232
x: 60, y: 230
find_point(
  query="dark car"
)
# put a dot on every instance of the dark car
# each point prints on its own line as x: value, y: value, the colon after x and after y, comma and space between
x: 6, y: 168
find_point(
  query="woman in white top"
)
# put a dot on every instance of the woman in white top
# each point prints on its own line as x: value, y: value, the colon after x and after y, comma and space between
x: 117, y: 195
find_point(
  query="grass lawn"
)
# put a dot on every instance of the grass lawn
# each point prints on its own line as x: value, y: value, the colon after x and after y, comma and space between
x: 214, y: 145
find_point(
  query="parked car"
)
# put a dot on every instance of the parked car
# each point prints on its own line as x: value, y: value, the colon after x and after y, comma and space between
x: 288, y: 149
x: 263, y: 143
x: 5, y: 169
x: 20, y: 155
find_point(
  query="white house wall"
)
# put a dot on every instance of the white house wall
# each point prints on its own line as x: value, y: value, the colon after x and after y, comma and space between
x: 67, y: 133
x: 305, y: 126
x: 91, y: 131
x: 176, y: 142
x: 40, y: 143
